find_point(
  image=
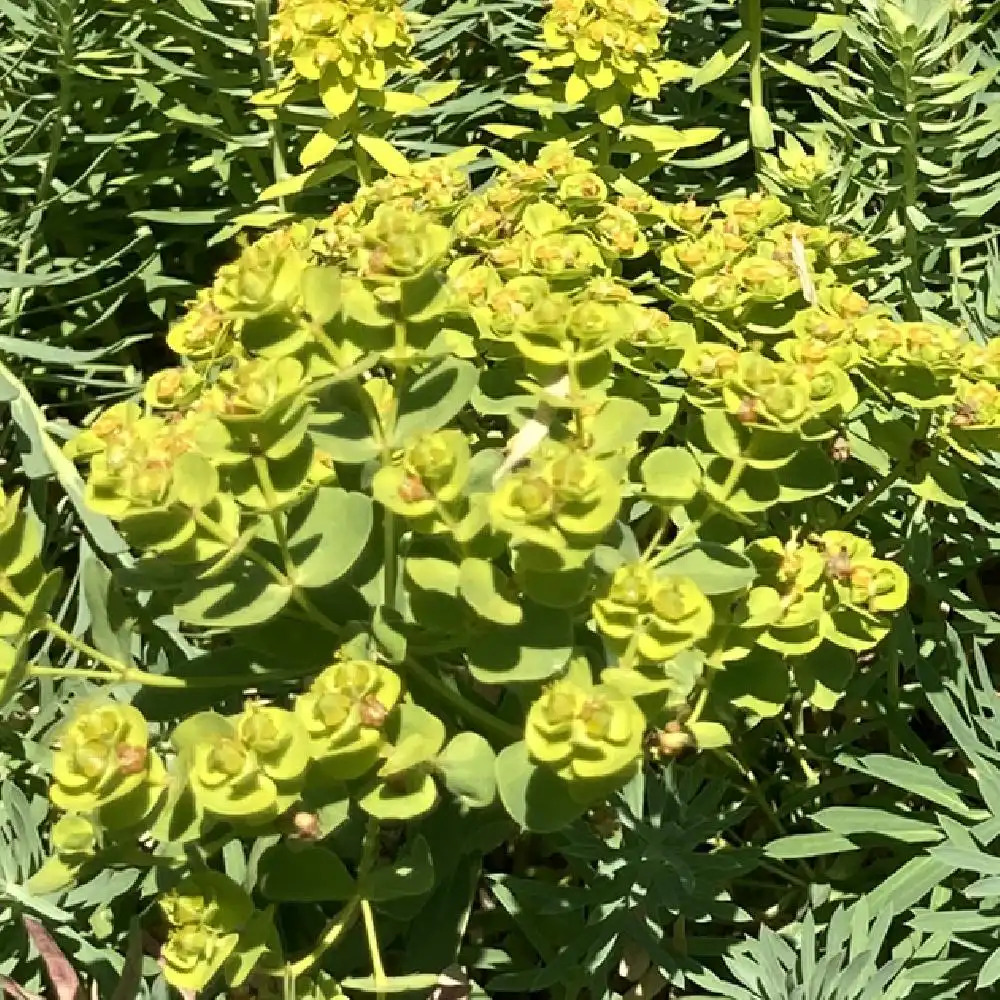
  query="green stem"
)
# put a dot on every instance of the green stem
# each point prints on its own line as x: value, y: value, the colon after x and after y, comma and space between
x: 909, y: 154
x: 263, y: 471
x: 503, y: 731
x: 647, y: 553
x: 262, y: 15
x: 74, y: 642
x: 884, y: 482
x: 691, y: 529
x: 812, y: 778
x: 388, y: 430
x: 29, y: 240
x: 753, y: 22
x: 217, y: 532
x: 872, y: 497
x: 334, y: 931
x: 699, y: 707
x: 344, y: 919
x: 574, y: 402
x: 371, y: 935
x: 116, y: 672
x: 282, y: 579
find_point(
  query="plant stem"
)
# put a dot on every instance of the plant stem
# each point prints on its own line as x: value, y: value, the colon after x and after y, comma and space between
x: 503, y: 731
x: 699, y: 707
x: 872, y: 497
x: 121, y: 673
x: 334, y: 931
x: 753, y: 22
x: 378, y: 969
x: 388, y: 429
x: 692, y: 528
x: 74, y: 642
x: 343, y: 921
x: 262, y: 15
x: 812, y: 778
x: 909, y: 155
x: 282, y: 579
x: 277, y: 519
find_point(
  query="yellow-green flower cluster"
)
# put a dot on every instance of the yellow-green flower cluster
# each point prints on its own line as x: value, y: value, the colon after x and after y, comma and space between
x: 205, y: 914
x: 246, y: 769
x: 610, y: 49
x: 831, y: 588
x: 103, y: 765
x: 350, y: 49
x: 588, y: 736
x: 409, y: 335
x: 556, y: 508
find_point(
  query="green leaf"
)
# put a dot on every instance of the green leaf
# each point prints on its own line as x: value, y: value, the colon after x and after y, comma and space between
x: 467, y: 766
x: 410, y: 874
x: 304, y: 873
x: 714, y: 568
x: 196, y: 482
x: 917, y: 779
x: 342, y: 423
x: 535, y: 798
x: 851, y: 820
x: 488, y: 592
x: 244, y: 595
x: 758, y: 683
x: 410, y: 795
x: 327, y: 535
x: 808, y: 845
x: 417, y: 982
x: 258, y: 939
x: 433, y: 398
x: 823, y: 675
x: 709, y: 735
x: 384, y: 154
x: 671, y: 475
x: 321, y: 293
x: 534, y: 650
x: 721, y: 61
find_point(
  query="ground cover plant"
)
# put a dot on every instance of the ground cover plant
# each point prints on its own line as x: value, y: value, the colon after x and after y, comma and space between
x: 498, y: 499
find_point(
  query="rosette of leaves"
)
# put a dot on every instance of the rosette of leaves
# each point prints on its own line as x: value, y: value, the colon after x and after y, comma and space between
x: 850, y: 947
x: 557, y: 509
x: 428, y: 480
x: 834, y: 589
x: 581, y: 742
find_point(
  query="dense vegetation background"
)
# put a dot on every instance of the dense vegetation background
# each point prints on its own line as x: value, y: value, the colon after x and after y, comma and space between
x: 848, y: 852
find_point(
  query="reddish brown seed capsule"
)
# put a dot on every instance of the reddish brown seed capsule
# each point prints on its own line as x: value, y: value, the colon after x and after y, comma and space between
x: 372, y: 712
x: 604, y: 821
x: 412, y: 489
x: 672, y: 740
x: 306, y: 825
x: 838, y: 566
x: 131, y: 759
x: 965, y: 414
x: 747, y: 413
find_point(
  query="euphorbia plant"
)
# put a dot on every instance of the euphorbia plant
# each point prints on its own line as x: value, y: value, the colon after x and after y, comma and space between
x: 499, y: 489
